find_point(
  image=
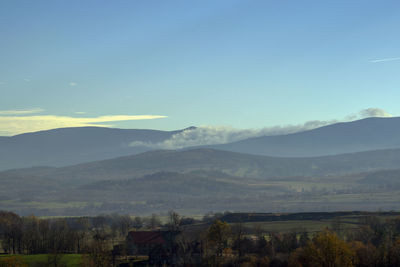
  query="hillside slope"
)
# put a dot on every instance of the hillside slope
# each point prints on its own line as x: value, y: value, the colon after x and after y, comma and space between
x: 67, y: 146
x: 347, y: 137
x: 237, y: 164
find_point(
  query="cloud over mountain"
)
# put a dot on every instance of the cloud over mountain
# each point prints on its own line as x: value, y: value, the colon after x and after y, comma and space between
x: 211, y: 135
x: 374, y: 112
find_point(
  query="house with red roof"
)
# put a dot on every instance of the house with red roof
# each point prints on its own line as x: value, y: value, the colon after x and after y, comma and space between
x: 159, y: 246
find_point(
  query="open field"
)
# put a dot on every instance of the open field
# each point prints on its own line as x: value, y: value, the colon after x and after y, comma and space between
x: 68, y: 260
x: 291, y: 226
x: 314, y: 222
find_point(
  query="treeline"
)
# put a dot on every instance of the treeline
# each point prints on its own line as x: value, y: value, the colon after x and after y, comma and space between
x: 207, y: 242
x: 32, y: 235
x: 374, y: 243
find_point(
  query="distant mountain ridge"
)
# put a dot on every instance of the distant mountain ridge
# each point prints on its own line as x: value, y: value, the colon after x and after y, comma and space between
x: 67, y: 146
x: 339, y: 138
x: 231, y: 163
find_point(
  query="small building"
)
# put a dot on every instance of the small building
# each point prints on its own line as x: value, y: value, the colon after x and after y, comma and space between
x: 159, y: 246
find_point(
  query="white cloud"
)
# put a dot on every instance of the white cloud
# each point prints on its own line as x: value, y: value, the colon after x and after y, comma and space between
x: 11, y: 125
x: 211, y: 135
x: 80, y: 112
x: 368, y: 113
x: 72, y: 84
x: 374, y: 112
x: 384, y: 60
x: 21, y: 111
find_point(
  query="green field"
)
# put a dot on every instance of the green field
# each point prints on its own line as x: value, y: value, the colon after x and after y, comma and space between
x: 347, y: 222
x: 70, y: 260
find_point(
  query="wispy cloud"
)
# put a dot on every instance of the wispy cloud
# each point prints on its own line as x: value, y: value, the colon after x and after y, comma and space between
x: 2, y: 83
x: 27, y: 80
x: 21, y: 111
x: 384, y: 59
x: 374, y: 112
x: 11, y: 125
x: 210, y: 135
x: 72, y: 84
x: 80, y: 112
x: 368, y: 113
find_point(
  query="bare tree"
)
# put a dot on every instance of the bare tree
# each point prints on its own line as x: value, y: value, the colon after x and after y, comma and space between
x: 174, y: 220
x: 154, y: 221
x: 137, y: 222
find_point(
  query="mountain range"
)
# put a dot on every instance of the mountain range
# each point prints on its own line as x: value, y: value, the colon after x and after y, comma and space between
x: 231, y: 163
x: 69, y: 146
x: 199, y: 180
x: 339, y: 138
x: 90, y: 170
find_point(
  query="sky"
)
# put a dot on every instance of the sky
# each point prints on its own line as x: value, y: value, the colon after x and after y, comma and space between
x: 173, y: 64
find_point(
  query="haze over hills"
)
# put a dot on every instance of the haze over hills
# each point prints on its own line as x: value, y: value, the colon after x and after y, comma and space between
x: 230, y: 163
x: 237, y: 164
x: 67, y: 146
x: 200, y: 180
x: 339, y: 138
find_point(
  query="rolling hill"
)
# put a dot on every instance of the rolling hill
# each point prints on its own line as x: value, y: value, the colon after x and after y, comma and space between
x: 236, y: 164
x: 200, y: 180
x: 346, y: 137
x: 67, y: 146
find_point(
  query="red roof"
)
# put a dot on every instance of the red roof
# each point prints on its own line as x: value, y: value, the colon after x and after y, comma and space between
x: 147, y: 237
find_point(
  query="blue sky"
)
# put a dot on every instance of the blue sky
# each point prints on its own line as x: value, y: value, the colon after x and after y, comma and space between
x: 246, y: 64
